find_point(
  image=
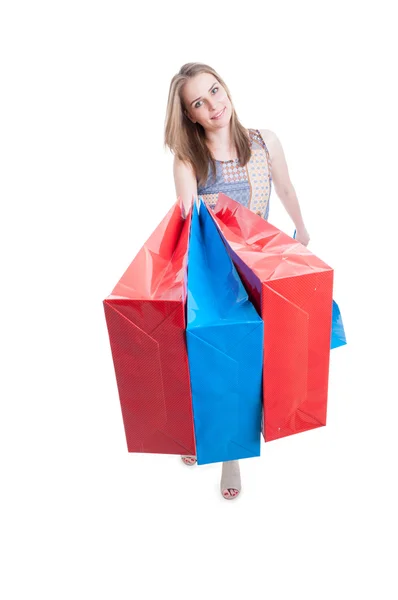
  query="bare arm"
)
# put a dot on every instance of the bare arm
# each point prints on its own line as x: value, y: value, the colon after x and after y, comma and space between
x: 185, y: 183
x: 283, y: 185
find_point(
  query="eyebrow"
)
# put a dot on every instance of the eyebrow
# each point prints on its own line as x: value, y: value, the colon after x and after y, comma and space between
x: 208, y: 90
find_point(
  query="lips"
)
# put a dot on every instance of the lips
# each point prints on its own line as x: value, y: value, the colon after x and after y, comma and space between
x: 219, y: 114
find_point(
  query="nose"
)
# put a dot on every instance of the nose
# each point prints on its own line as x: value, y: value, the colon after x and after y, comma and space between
x: 212, y: 104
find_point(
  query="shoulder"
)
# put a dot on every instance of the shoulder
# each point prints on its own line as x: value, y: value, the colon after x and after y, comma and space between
x: 184, y: 176
x: 183, y: 168
x: 270, y: 138
x: 181, y: 165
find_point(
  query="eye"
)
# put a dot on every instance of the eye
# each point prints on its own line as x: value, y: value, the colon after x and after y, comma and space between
x: 198, y: 104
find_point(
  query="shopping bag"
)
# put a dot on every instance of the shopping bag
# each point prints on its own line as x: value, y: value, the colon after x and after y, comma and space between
x: 225, y: 350
x: 292, y: 290
x: 337, y: 337
x: 145, y: 317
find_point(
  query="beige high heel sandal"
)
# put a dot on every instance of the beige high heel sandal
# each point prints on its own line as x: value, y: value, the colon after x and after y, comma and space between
x: 230, y: 485
x: 188, y: 460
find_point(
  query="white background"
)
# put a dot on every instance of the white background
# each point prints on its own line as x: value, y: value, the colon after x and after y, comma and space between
x: 84, y: 181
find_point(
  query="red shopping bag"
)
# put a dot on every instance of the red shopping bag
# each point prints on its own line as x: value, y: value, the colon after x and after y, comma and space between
x: 145, y: 316
x: 292, y: 291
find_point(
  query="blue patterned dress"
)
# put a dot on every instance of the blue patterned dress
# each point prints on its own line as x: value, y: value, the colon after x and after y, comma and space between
x: 249, y: 185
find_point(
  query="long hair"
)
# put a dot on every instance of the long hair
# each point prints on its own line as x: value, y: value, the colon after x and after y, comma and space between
x: 186, y: 139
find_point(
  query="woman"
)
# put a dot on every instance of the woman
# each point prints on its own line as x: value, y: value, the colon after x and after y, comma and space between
x: 214, y: 153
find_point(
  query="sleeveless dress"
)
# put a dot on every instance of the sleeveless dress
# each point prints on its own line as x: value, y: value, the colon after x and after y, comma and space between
x: 249, y: 185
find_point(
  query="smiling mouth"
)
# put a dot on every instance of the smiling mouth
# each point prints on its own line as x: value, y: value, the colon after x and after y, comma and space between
x: 218, y: 115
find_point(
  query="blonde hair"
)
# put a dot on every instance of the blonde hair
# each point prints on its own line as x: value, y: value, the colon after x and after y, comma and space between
x: 186, y: 139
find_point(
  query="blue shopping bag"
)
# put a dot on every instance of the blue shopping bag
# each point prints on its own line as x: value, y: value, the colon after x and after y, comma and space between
x: 225, y: 349
x: 337, y: 337
x: 338, y: 334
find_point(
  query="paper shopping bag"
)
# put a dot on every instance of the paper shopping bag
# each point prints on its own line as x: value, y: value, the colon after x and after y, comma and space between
x: 338, y: 337
x: 225, y: 350
x: 145, y: 316
x: 292, y: 291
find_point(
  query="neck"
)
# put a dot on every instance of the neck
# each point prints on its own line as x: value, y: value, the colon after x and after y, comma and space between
x: 220, y: 139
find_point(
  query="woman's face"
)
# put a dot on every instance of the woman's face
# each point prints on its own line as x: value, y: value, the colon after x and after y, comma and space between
x: 206, y: 102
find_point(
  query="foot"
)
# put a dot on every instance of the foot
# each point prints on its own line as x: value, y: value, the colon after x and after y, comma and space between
x: 188, y: 460
x: 230, y: 480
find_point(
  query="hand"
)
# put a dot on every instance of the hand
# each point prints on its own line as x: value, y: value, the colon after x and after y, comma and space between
x: 302, y: 235
x: 185, y: 209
